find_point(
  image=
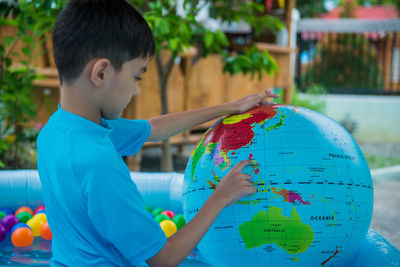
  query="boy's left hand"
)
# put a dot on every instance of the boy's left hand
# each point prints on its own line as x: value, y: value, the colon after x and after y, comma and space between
x: 248, y: 102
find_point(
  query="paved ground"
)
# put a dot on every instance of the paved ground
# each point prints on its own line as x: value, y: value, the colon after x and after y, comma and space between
x: 386, y: 216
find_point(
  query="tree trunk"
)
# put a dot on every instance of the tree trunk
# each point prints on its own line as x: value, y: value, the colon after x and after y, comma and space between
x: 163, y: 74
x: 167, y: 164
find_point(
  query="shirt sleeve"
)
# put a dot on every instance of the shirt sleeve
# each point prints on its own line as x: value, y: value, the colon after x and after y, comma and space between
x: 128, y: 136
x: 118, y: 213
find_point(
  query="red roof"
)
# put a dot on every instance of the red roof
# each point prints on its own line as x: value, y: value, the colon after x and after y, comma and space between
x: 364, y: 12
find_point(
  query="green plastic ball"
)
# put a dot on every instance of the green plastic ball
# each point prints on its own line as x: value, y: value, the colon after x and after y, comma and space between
x: 179, y: 220
x: 161, y: 217
x: 24, y: 216
x: 157, y: 211
x: 148, y: 209
x: 2, y: 214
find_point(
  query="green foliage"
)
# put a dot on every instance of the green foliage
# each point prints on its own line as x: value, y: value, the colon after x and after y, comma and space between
x: 379, y: 2
x: 379, y: 161
x: 346, y: 62
x: 32, y: 20
x: 175, y: 32
x: 252, y: 61
x: 310, y: 8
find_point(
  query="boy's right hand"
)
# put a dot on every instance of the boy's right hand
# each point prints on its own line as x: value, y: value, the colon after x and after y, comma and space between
x: 231, y: 188
x: 235, y: 185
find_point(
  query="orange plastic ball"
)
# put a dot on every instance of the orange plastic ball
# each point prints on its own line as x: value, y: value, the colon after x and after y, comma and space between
x: 23, y: 209
x: 45, y: 231
x: 22, y: 237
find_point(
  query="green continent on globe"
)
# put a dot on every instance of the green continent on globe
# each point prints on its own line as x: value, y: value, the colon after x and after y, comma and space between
x: 269, y: 227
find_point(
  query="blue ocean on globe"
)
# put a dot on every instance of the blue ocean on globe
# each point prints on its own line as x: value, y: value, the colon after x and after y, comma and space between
x: 314, y: 199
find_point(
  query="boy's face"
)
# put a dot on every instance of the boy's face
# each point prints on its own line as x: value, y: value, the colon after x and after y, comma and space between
x: 123, y: 86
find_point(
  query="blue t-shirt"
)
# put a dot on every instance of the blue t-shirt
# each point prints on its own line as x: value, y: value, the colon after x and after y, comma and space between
x: 94, y: 209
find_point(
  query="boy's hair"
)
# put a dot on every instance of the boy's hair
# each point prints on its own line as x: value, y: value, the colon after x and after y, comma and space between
x: 88, y: 29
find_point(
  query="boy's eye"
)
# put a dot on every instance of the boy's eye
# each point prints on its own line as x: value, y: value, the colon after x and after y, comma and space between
x: 138, y: 78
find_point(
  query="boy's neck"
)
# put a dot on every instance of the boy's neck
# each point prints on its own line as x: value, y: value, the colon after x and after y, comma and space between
x: 79, y: 103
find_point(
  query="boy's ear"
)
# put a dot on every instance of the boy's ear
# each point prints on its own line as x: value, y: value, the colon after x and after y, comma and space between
x: 100, y: 70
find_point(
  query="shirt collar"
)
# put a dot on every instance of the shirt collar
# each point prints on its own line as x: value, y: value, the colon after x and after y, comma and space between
x: 68, y: 120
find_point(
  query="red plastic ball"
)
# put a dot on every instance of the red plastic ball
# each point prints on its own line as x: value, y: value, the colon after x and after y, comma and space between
x: 22, y: 237
x: 23, y: 209
x: 45, y: 231
x: 39, y: 208
x: 168, y: 213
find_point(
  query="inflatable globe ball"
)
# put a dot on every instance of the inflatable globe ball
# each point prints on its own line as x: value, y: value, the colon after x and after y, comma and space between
x: 314, y: 199
x: 9, y: 221
x: 22, y: 237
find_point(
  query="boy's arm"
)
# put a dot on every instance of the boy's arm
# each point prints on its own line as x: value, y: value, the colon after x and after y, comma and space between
x: 168, y: 125
x: 232, y: 187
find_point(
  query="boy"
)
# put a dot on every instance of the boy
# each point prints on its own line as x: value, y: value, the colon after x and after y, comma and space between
x: 95, y: 212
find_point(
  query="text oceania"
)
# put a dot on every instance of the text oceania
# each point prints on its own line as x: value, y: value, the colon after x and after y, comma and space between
x: 322, y: 218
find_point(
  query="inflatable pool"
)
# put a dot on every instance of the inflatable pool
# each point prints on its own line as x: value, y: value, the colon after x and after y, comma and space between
x: 163, y: 190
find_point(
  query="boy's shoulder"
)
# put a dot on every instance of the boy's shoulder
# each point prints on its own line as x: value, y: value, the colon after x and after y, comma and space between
x: 74, y: 143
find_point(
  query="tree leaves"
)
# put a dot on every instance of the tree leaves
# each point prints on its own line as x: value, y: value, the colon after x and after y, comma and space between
x: 175, y: 32
x: 253, y: 61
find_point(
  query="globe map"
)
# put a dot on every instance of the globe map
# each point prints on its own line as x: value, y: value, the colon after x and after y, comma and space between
x: 314, y: 198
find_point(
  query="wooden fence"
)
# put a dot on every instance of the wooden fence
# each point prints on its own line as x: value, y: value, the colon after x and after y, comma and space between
x: 190, y: 86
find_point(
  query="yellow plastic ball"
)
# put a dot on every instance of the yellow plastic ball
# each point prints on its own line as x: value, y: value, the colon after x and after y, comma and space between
x: 41, y: 217
x: 169, y: 227
x: 35, y: 226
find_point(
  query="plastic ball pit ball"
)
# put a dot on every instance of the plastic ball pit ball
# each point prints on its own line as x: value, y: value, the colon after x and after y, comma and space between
x: 156, y: 211
x: 24, y: 216
x: 169, y: 213
x: 9, y: 221
x: 179, y: 221
x: 19, y: 225
x: 45, y: 232
x: 161, y: 217
x: 22, y: 237
x: 41, y: 211
x: 7, y: 211
x: 39, y: 208
x: 148, y: 208
x: 23, y: 209
x: 168, y: 227
x: 40, y: 216
x: 3, y: 232
x: 2, y: 214
x: 35, y: 225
